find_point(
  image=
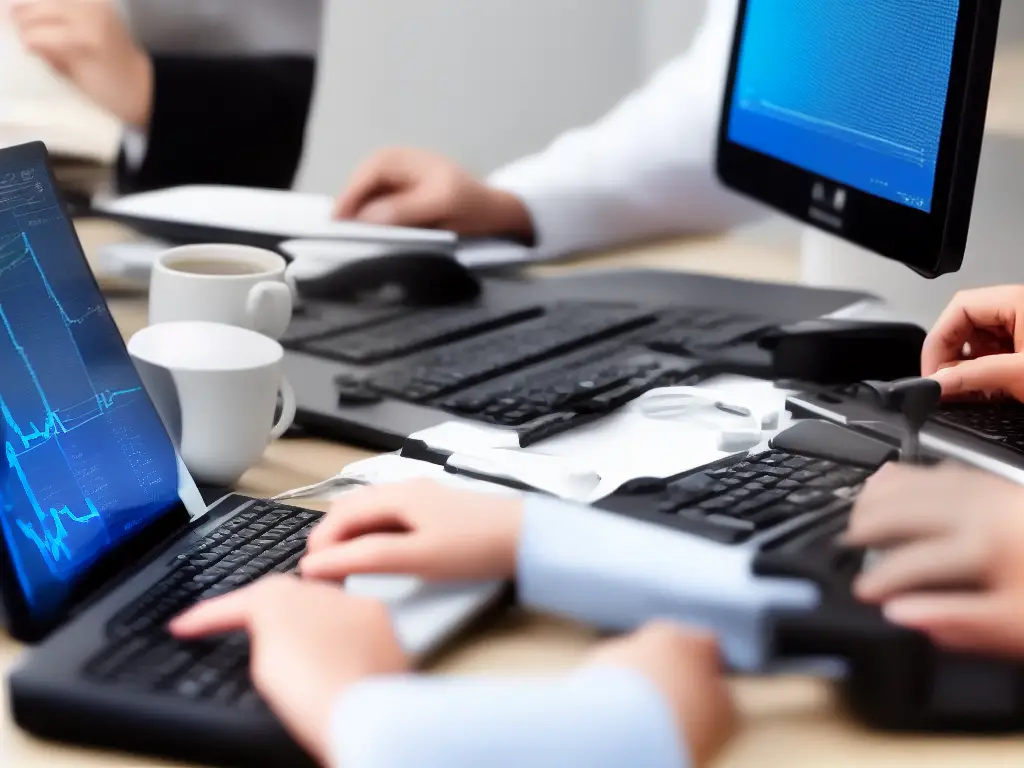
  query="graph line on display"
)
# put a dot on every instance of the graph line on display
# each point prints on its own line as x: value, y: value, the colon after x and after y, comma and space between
x: 54, y: 522
x: 86, y: 464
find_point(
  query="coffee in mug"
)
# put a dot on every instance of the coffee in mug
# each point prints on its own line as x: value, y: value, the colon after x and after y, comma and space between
x: 231, y: 284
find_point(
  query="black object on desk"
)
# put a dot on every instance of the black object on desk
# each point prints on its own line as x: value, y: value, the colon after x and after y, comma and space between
x: 844, y: 351
x: 896, y: 679
x: 421, y: 278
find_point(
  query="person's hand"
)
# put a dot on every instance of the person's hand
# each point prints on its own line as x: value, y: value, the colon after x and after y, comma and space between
x: 973, y: 350
x: 309, y: 642
x: 418, y: 528
x: 685, y: 667
x: 87, y: 42
x: 414, y: 188
x: 952, y: 563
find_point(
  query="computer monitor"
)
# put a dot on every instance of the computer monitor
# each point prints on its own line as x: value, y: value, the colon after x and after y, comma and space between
x: 863, y: 119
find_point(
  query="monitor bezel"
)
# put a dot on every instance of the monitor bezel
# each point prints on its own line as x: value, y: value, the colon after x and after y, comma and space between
x: 22, y: 622
x: 930, y: 243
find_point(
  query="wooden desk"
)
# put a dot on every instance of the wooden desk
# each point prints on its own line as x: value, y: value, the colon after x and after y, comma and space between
x: 790, y: 722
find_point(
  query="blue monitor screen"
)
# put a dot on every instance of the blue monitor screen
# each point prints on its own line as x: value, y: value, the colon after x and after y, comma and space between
x: 86, y: 461
x: 853, y: 92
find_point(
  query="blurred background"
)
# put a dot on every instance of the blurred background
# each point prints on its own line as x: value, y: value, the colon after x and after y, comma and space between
x: 483, y: 82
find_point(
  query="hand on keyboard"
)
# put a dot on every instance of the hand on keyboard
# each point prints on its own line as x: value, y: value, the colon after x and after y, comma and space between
x: 952, y: 554
x: 309, y: 642
x: 974, y: 347
x: 418, y: 528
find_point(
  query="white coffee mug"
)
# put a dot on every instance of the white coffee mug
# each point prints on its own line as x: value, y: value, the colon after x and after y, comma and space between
x: 231, y: 284
x: 216, y: 388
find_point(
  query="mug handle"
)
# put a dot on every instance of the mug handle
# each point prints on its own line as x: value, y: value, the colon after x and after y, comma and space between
x: 288, y: 408
x: 269, y: 308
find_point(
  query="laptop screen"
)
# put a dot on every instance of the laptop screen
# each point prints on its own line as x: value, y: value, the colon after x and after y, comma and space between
x: 86, y: 462
x: 854, y: 92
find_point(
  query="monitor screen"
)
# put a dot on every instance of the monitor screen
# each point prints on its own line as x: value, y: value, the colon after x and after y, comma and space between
x: 853, y: 92
x: 86, y: 462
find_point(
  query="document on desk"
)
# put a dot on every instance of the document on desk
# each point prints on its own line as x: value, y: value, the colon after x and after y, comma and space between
x: 274, y: 213
x: 625, y: 446
x: 303, y: 220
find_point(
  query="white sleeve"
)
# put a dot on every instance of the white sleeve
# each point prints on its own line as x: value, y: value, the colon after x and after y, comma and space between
x: 647, y: 168
x: 135, y: 144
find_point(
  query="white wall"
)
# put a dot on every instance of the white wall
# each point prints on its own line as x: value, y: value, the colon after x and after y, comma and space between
x: 483, y: 81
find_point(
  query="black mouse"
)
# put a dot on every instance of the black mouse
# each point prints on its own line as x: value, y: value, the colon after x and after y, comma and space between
x: 414, y: 278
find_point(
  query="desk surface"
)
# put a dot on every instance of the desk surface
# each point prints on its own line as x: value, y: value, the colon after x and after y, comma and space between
x: 788, y: 722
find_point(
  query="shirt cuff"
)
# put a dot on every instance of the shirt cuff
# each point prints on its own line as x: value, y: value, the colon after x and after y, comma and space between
x: 135, y: 145
x: 617, y: 573
x: 552, y: 211
x: 601, y: 715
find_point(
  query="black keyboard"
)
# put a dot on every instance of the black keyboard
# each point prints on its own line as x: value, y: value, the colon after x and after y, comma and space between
x: 1001, y: 423
x: 703, y: 333
x: 264, y: 539
x: 560, y: 330
x: 544, y: 402
x: 754, y: 496
x: 414, y: 332
x: 316, y: 319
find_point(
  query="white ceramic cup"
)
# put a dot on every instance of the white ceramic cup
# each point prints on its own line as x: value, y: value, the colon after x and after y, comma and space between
x: 231, y: 284
x: 216, y: 388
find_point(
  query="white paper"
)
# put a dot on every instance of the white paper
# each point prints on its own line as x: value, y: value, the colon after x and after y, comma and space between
x: 393, y: 468
x: 289, y: 215
x: 467, y: 437
x: 624, y: 446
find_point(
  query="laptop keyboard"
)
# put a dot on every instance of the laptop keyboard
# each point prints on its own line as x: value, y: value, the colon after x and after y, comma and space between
x: 733, y: 504
x: 1001, y: 423
x: 264, y: 539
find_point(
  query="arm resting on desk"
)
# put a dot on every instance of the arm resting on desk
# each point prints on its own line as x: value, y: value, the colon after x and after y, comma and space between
x: 237, y: 121
x: 597, y: 716
x: 647, y: 169
x: 618, y: 574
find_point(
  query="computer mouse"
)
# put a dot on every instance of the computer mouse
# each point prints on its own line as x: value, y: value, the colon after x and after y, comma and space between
x: 407, y: 275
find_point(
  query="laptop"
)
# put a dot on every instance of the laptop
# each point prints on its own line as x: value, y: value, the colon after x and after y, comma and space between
x: 105, y: 536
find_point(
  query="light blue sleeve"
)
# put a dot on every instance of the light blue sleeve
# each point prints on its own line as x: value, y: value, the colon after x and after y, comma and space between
x: 599, y: 716
x: 618, y: 574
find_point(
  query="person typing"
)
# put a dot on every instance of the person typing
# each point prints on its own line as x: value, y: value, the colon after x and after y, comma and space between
x: 330, y: 668
x: 643, y: 171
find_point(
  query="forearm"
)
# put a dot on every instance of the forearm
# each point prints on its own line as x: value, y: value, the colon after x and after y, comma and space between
x: 618, y: 574
x: 599, y: 716
x: 238, y: 121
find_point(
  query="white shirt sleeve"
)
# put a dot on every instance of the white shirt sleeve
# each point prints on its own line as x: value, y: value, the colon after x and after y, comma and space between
x: 645, y: 170
x: 135, y: 144
x: 597, y: 716
x: 618, y: 573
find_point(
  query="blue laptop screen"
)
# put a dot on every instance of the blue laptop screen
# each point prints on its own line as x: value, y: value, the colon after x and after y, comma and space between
x: 853, y: 92
x: 85, y: 459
